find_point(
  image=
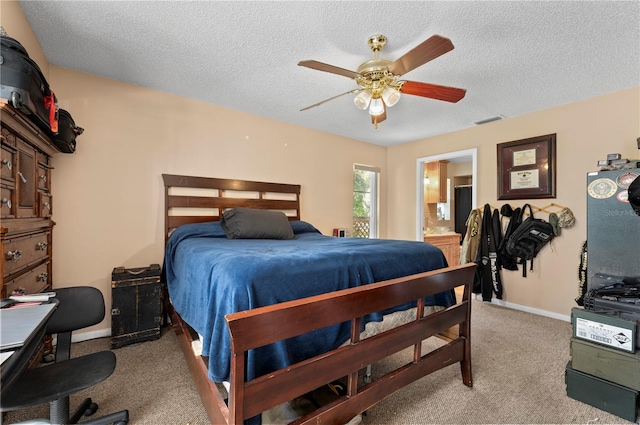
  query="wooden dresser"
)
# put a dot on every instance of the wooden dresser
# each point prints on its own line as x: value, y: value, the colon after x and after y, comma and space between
x: 26, y: 205
x: 449, y: 243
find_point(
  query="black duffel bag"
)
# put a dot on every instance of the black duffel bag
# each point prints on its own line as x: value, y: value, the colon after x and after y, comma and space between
x: 65, y: 139
x: 25, y: 87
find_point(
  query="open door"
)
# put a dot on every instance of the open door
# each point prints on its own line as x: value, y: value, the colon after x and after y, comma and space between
x: 469, y: 156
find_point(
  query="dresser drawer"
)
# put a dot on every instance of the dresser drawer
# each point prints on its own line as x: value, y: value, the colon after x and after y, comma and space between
x: 22, y: 251
x: 7, y: 162
x: 31, y: 282
x: 43, y: 177
x: 6, y: 202
x: 44, y: 205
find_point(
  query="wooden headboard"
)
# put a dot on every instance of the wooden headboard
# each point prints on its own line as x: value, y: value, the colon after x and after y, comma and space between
x: 187, y: 199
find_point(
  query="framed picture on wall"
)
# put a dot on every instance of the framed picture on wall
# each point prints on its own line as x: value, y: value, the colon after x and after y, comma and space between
x: 527, y: 168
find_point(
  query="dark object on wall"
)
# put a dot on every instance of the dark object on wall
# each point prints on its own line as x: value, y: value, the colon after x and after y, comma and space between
x: 136, y: 311
x: 613, y: 398
x: 527, y: 168
x: 505, y: 260
x: 65, y: 140
x: 487, y: 279
x: 25, y: 87
x: 528, y: 239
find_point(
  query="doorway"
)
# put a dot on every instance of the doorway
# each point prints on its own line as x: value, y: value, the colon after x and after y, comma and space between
x: 463, y: 207
x: 468, y: 156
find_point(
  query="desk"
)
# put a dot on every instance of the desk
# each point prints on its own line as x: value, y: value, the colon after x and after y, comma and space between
x: 21, y: 331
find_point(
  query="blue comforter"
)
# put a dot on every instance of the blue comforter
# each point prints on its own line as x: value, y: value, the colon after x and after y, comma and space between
x: 209, y: 276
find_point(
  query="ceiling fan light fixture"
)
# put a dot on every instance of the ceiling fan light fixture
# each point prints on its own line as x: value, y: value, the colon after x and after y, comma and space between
x: 377, y: 79
x: 390, y: 96
x: 376, y: 107
x: 362, y: 100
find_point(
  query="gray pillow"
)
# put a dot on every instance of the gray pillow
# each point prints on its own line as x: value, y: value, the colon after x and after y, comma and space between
x: 247, y: 223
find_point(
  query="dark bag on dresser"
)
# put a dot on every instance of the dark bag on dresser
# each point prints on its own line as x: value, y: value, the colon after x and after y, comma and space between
x: 25, y: 87
x: 65, y: 140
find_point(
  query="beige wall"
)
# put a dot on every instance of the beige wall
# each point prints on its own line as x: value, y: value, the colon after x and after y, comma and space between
x: 586, y: 131
x: 108, y: 196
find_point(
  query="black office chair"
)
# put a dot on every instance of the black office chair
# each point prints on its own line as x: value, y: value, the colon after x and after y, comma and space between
x: 79, y: 307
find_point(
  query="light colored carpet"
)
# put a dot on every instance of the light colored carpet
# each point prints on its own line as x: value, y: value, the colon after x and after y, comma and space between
x: 518, y: 359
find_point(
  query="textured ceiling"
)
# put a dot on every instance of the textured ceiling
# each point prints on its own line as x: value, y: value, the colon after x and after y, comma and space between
x: 513, y: 57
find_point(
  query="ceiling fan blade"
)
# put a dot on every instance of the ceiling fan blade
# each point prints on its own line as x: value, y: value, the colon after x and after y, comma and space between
x: 331, y: 98
x: 429, y: 49
x: 329, y: 68
x: 433, y: 91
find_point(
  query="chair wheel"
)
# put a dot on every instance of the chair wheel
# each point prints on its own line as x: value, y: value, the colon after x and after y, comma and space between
x: 93, y: 408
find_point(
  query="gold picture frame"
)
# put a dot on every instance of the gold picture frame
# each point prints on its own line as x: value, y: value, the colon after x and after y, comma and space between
x: 527, y: 168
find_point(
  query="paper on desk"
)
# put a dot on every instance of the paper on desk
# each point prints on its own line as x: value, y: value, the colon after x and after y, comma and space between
x: 31, y: 298
x: 17, y: 324
x: 4, y: 355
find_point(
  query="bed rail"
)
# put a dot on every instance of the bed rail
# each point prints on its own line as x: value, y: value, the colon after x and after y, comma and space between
x: 261, y: 326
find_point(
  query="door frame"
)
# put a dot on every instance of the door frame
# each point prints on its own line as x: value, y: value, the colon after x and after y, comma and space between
x: 472, y: 153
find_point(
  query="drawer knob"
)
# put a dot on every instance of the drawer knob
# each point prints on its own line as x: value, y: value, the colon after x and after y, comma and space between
x: 43, y: 177
x: 22, y: 177
x: 14, y: 255
x: 42, y: 277
x: 41, y: 246
x: 6, y: 163
x: 7, y: 202
x: 47, y: 205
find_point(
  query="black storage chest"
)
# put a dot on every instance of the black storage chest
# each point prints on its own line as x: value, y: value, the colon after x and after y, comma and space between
x: 136, y: 309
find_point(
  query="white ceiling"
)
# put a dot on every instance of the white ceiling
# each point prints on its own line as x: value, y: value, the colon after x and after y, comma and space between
x: 513, y: 57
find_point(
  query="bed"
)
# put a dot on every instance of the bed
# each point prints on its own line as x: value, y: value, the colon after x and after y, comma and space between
x: 279, y: 318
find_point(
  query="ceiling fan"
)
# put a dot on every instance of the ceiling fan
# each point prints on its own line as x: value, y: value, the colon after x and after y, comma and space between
x: 378, y: 82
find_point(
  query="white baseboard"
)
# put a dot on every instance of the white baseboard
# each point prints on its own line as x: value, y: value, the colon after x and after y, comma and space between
x: 85, y: 336
x: 528, y: 309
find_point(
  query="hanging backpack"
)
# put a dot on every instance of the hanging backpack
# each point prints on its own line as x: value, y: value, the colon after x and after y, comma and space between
x: 528, y: 239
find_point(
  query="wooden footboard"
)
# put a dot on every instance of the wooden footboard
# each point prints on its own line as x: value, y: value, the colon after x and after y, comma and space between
x: 254, y: 328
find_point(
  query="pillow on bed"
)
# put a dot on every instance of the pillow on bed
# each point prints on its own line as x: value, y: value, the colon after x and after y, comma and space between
x: 247, y: 223
x: 299, y: 227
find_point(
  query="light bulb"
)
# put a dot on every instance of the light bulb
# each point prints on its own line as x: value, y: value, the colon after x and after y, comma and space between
x: 376, y: 107
x: 362, y: 100
x: 390, y: 96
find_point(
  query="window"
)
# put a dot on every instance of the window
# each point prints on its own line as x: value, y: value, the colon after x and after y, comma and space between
x: 365, y: 201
